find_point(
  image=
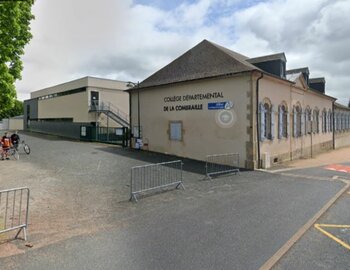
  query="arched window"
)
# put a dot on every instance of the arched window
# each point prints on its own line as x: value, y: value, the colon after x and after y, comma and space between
x: 266, y: 113
x: 283, y: 121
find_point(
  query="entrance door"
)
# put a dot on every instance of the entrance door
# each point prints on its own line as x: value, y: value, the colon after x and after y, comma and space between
x: 94, y: 99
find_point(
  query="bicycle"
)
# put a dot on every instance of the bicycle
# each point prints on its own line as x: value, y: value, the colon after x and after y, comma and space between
x: 12, y: 153
x: 23, y: 145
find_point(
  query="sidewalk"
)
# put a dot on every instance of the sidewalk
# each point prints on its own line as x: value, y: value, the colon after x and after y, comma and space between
x: 334, y: 156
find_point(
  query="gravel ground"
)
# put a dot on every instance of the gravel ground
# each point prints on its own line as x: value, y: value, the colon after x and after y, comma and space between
x: 77, y: 187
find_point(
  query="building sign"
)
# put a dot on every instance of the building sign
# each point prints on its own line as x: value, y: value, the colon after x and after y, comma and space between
x: 190, y: 97
x: 225, y: 105
x: 119, y: 131
x: 194, y: 97
x: 83, y: 131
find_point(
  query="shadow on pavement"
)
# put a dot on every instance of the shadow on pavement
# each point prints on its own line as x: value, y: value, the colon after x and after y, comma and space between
x: 190, y: 165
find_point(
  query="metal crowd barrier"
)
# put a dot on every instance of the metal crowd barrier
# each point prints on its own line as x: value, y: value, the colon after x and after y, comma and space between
x: 14, y: 208
x: 221, y: 164
x: 155, y: 177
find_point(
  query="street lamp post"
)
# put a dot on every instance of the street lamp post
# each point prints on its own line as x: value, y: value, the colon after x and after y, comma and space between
x: 136, y: 85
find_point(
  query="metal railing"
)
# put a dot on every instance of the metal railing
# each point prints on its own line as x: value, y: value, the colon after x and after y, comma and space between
x: 221, y: 164
x: 155, y: 177
x: 98, y: 105
x: 14, y: 210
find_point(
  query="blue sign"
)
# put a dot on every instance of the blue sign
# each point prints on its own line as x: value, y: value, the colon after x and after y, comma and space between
x: 220, y: 105
x: 216, y: 105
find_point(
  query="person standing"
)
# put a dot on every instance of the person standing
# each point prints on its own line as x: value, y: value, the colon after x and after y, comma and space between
x: 6, y: 144
x: 15, y: 139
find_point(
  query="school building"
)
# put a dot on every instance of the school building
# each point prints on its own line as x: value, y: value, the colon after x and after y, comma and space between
x: 88, y: 108
x: 212, y: 100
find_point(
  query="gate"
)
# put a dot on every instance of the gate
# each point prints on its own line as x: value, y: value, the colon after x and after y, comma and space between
x: 118, y: 136
x: 14, y: 208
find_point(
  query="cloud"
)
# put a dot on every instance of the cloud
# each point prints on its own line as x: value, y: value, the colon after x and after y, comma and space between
x: 130, y: 40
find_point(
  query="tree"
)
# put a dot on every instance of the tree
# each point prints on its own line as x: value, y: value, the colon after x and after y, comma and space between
x: 15, y: 110
x: 15, y: 17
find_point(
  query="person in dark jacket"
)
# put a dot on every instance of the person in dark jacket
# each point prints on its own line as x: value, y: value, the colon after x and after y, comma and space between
x: 15, y: 139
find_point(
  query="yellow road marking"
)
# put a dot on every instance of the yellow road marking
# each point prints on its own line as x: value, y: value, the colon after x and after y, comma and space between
x: 287, y: 246
x: 318, y: 227
x: 333, y: 226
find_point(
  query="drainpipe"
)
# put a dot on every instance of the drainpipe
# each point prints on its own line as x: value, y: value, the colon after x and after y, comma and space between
x: 130, y: 126
x: 333, y: 133
x: 257, y: 117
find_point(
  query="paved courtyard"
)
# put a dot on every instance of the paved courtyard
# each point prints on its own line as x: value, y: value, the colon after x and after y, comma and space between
x: 80, y: 216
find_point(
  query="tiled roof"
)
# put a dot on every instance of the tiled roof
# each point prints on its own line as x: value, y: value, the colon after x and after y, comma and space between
x: 205, y: 60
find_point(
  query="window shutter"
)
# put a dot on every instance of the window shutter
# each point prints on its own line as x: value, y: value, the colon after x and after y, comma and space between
x: 335, y: 122
x: 272, y: 122
x: 288, y: 121
x: 280, y: 122
x: 302, y: 119
x: 262, y: 122
x: 331, y: 122
x: 294, y: 122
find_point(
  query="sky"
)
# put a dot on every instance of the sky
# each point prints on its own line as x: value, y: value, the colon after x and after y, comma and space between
x: 129, y: 40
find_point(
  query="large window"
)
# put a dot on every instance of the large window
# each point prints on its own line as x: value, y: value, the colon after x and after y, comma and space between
x: 266, y: 114
x: 175, y: 133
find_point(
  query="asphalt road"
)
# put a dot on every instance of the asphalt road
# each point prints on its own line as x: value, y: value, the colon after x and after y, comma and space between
x: 235, y: 222
x: 316, y: 250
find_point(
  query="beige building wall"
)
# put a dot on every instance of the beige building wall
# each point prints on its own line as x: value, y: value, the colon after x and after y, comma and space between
x: 342, y: 139
x: 118, y: 100
x: 203, y: 131
x: 342, y: 134
x: 74, y: 106
x: 283, y: 149
x: 82, y: 82
x: 15, y: 124
x: 112, y: 93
